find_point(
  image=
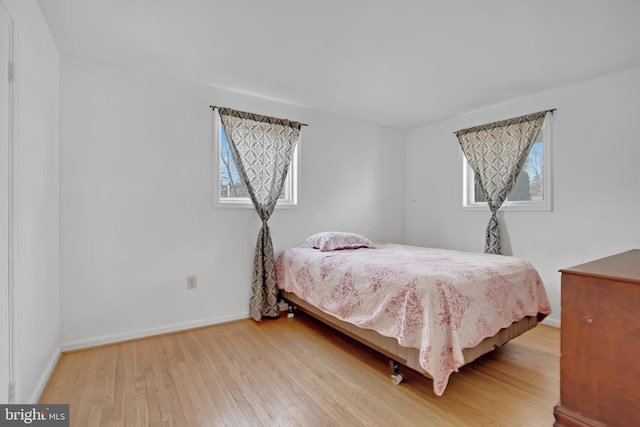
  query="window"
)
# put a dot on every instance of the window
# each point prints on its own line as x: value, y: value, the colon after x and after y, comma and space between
x: 532, y: 190
x: 230, y: 188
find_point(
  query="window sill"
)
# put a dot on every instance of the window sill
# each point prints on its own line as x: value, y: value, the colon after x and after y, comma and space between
x: 509, y: 207
x: 249, y: 205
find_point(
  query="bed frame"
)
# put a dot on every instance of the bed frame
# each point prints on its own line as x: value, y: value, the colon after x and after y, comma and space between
x: 398, y: 354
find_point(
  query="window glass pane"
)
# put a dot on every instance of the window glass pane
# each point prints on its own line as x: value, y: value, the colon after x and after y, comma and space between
x: 231, y: 184
x: 535, y: 169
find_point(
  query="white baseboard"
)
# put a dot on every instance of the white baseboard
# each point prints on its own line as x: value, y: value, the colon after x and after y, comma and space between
x: 44, y: 377
x: 144, y: 333
x: 551, y: 322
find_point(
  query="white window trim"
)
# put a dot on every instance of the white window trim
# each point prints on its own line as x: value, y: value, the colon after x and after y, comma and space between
x: 244, y: 202
x: 517, y: 206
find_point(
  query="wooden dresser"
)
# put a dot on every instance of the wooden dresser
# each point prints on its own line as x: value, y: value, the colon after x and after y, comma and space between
x: 600, y: 343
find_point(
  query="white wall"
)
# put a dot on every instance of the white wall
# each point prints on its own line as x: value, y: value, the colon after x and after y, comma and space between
x: 596, y: 150
x: 137, y: 213
x: 36, y: 195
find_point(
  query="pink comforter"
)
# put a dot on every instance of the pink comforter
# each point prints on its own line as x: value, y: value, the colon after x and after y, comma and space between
x: 438, y: 301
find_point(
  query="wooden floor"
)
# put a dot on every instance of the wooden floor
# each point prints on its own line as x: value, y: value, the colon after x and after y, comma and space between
x: 297, y: 372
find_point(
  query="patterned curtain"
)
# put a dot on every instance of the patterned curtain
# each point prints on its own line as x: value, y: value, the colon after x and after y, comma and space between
x: 497, y: 152
x: 261, y: 147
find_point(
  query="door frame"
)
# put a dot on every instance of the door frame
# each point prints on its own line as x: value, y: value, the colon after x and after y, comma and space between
x: 11, y: 226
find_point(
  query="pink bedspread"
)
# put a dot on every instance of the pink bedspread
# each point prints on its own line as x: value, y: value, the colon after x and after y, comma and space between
x: 438, y: 301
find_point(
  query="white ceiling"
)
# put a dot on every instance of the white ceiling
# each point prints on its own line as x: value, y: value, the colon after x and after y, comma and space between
x: 400, y: 63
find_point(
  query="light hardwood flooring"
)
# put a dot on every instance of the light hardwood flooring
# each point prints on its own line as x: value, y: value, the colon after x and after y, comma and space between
x: 297, y: 372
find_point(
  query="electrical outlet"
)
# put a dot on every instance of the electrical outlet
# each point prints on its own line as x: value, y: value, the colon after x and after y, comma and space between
x: 192, y: 282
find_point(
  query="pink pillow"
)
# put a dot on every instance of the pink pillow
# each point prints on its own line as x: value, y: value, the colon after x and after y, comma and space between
x: 334, y: 240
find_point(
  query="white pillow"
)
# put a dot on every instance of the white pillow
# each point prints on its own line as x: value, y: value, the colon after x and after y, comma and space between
x: 335, y: 240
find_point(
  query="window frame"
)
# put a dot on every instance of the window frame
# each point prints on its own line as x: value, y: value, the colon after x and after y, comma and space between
x: 291, y: 182
x: 545, y: 205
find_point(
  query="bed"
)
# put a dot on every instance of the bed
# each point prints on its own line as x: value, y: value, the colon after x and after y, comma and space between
x: 432, y: 310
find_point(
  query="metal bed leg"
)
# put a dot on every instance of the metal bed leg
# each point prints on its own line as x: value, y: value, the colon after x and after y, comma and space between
x: 396, y: 377
x: 290, y: 313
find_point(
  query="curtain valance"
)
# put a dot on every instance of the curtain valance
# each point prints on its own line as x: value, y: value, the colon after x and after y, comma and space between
x: 504, y: 123
x: 257, y: 117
